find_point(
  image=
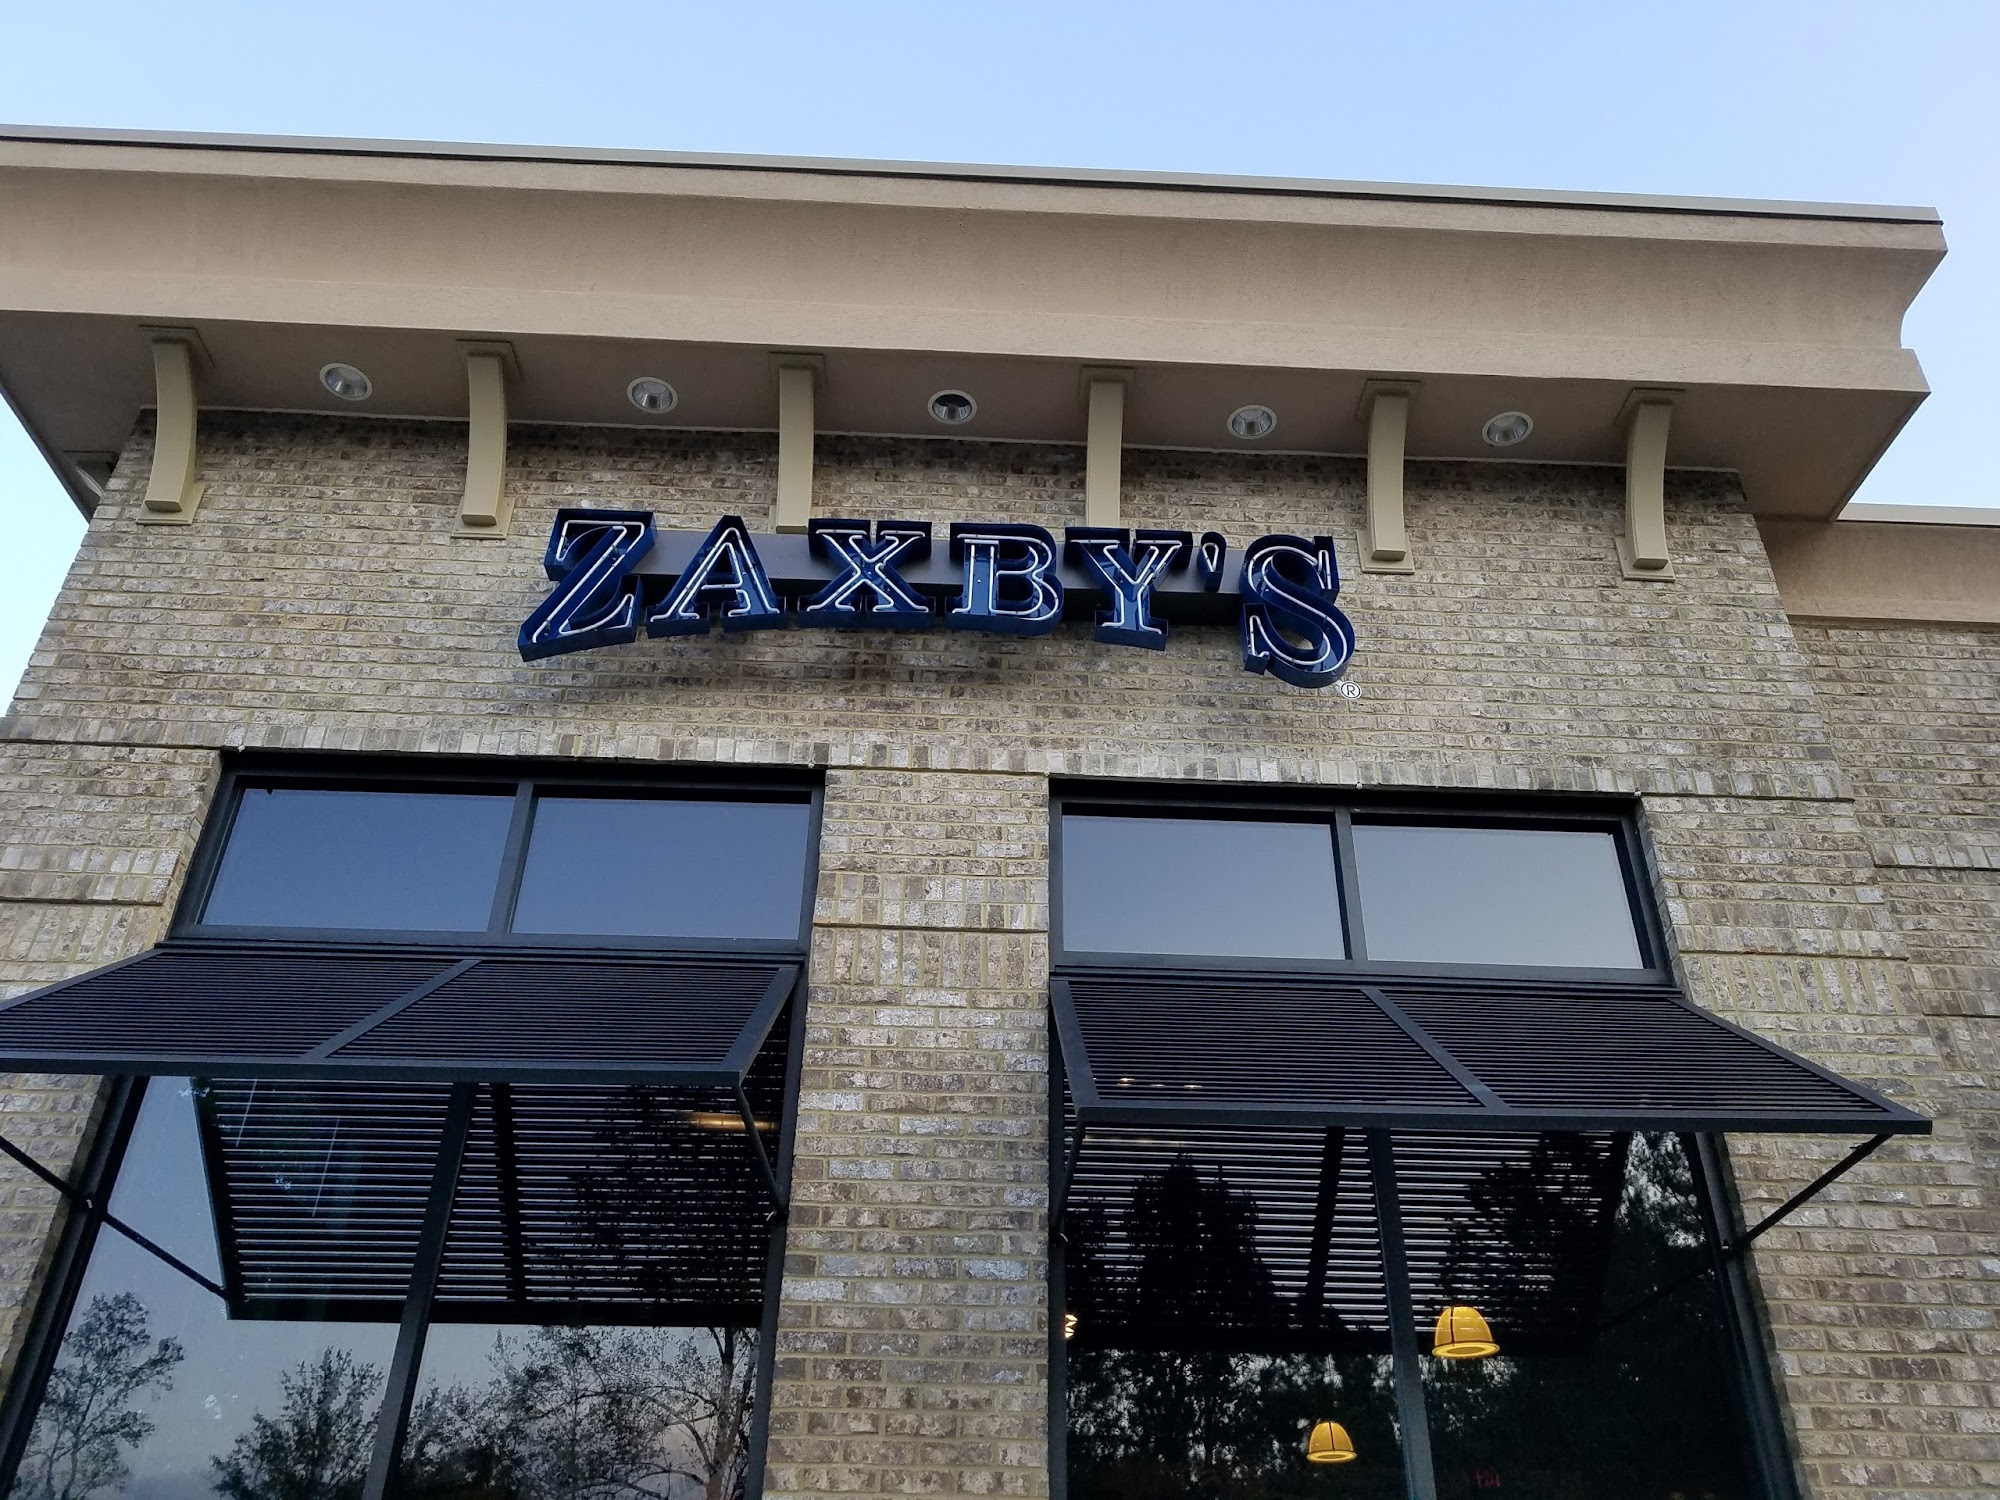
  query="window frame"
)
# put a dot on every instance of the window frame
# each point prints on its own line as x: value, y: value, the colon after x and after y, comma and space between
x: 1617, y: 816
x: 525, y: 782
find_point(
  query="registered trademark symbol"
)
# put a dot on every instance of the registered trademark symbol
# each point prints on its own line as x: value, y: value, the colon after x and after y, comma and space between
x: 1348, y: 689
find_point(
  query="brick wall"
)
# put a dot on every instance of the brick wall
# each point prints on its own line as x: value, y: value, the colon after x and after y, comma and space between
x: 1902, y: 1382
x: 319, y: 601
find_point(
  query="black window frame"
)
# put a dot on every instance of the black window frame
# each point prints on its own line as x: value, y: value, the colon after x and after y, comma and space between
x: 1617, y: 816
x: 525, y: 782
x: 1743, y: 1326
x: 89, y: 1190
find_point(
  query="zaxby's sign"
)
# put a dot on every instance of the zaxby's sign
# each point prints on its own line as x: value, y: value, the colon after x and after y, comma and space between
x: 616, y: 575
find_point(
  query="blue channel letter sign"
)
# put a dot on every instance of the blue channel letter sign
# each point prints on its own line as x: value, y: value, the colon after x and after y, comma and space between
x: 616, y: 575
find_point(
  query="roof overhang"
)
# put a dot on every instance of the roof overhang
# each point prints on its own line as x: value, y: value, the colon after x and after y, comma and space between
x: 1780, y: 324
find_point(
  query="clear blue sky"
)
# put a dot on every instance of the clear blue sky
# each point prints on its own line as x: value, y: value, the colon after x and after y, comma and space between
x: 1881, y: 102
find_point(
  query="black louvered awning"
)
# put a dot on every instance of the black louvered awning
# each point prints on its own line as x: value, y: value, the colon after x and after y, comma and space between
x: 1304, y: 1051
x: 576, y: 1202
x: 328, y: 1011
x: 610, y: 1173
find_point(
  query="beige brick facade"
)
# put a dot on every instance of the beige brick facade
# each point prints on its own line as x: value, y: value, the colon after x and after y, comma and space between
x: 1819, y: 804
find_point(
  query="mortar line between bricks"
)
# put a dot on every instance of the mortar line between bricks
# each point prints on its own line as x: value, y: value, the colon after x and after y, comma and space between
x: 81, y: 903
x: 1843, y: 958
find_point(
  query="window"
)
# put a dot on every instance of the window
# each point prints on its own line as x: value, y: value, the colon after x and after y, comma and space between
x: 538, y: 858
x: 309, y: 856
x: 1230, y: 1295
x: 1237, y: 886
x: 1331, y: 1068
x: 1370, y: 885
x: 519, y: 1188
x: 663, y: 867
x: 1442, y: 893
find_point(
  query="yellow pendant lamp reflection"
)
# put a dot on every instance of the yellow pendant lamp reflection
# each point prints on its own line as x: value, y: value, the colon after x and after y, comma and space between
x: 1329, y: 1444
x: 1462, y: 1334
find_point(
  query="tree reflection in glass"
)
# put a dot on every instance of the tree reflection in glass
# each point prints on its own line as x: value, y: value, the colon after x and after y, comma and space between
x: 601, y: 1284
x: 619, y: 1235
x: 564, y: 1412
x: 1637, y: 1402
x: 1215, y: 1405
x: 157, y: 1393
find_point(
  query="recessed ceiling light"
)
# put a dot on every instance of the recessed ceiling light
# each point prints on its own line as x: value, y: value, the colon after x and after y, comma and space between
x: 1507, y: 429
x: 346, y: 382
x: 953, y: 407
x: 1252, y: 422
x: 651, y: 394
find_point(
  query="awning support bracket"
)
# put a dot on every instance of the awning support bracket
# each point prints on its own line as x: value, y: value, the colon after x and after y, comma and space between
x: 778, y: 1195
x: 1740, y: 1246
x: 1825, y: 1179
x: 110, y: 1220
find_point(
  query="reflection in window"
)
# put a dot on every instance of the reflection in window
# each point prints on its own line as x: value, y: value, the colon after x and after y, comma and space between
x: 1551, y: 897
x: 1231, y: 1296
x: 1212, y: 886
x: 661, y: 867
x: 1153, y: 1426
x: 158, y: 1394
x: 549, y: 1413
x: 592, y: 1333
x: 1636, y: 1401
x: 388, y: 861
x: 1217, y: 1326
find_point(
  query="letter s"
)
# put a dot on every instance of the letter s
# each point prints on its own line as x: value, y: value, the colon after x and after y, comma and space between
x: 1291, y: 627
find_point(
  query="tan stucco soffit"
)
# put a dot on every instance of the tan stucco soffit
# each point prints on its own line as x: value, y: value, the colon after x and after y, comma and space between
x: 1783, y: 324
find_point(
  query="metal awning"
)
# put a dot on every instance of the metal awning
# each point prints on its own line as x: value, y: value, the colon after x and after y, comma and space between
x: 274, y: 1010
x: 618, y: 1161
x: 574, y: 1203
x: 1305, y: 1050
x: 1243, y: 1113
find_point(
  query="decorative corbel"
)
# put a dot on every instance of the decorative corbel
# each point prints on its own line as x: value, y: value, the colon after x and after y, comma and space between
x: 1646, y: 417
x: 1385, y: 412
x: 1104, y: 389
x: 487, y: 507
x: 172, y: 495
x: 799, y: 377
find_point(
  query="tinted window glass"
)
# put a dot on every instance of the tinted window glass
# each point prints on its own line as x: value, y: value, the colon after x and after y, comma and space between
x: 665, y: 868
x: 1494, y: 896
x: 1605, y: 1400
x: 158, y: 1392
x: 1200, y: 886
x: 408, y: 861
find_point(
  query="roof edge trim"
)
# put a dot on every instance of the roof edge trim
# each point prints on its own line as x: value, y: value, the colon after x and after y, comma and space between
x: 1306, y: 187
